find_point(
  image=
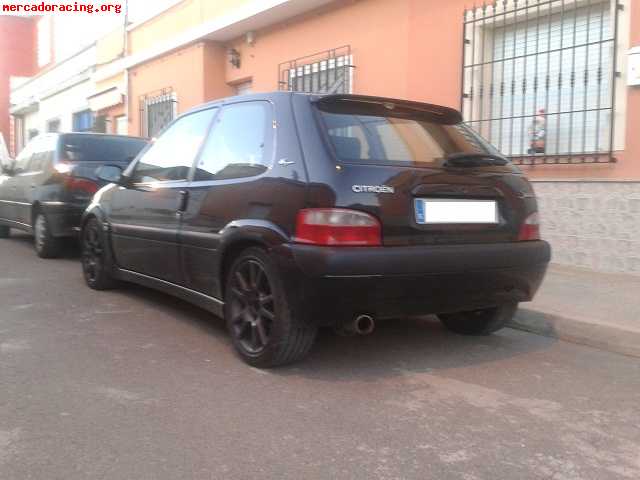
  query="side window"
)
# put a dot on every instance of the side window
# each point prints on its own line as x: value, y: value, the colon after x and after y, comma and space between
x: 41, y: 161
x: 23, y: 159
x: 42, y: 154
x: 239, y: 144
x: 37, y: 161
x: 171, y: 156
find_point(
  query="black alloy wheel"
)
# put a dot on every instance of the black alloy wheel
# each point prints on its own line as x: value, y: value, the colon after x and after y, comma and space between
x: 269, y: 324
x: 252, y: 306
x: 94, y: 262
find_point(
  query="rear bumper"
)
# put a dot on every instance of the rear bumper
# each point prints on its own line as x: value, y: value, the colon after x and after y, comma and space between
x: 393, y: 281
x: 63, y: 218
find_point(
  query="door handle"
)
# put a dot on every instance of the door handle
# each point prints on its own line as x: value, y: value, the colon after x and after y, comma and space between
x: 183, y: 201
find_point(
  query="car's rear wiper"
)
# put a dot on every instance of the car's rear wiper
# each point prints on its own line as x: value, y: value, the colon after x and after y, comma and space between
x: 474, y: 160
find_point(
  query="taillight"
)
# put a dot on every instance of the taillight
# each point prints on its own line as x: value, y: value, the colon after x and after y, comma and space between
x: 81, y: 185
x: 337, y: 226
x: 530, y: 228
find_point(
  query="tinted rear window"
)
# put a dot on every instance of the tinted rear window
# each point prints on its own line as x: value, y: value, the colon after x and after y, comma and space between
x: 91, y: 148
x: 389, y: 139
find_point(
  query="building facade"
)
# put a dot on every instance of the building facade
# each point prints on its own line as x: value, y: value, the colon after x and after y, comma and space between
x: 17, y: 59
x: 550, y: 83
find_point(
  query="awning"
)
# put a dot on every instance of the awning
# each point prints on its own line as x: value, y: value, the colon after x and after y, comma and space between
x: 106, y: 99
x: 24, y: 108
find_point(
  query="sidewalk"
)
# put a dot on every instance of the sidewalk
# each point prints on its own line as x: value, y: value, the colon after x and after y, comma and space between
x: 596, y: 309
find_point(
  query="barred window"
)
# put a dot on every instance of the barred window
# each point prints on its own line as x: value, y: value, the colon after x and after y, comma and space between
x: 324, y: 72
x: 539, y: 78
x: 157, y: 110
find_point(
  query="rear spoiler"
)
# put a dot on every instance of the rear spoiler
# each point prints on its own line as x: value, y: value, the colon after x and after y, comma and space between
x: 381, y: 106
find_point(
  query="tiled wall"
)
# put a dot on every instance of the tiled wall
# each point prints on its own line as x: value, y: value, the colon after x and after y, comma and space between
x: 594, y: 225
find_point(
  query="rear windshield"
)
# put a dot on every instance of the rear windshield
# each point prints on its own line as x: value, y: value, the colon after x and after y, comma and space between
x: 92, y: 148
x: 388, y: 139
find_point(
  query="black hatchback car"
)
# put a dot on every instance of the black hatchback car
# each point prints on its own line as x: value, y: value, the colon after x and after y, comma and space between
x: 285, y: 212
x: 51, y: 182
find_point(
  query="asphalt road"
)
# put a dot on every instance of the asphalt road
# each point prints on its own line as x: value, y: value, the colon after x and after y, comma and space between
x: 132, y: 384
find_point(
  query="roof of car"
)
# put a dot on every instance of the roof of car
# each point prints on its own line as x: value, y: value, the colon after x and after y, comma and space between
x: 452, y: 114
x: 94, y: 134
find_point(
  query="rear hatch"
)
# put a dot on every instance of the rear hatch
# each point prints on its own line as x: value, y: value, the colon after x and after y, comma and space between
x: 426, y: 176
x: 81, y: 156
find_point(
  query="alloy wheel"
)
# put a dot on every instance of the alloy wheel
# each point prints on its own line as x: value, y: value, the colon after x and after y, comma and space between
x: 252, y: 306
x: 40, y: 232
x: 92, y: 251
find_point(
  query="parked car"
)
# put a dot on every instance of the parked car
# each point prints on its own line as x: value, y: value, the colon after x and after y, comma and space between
x: 5, y: 158
x: 51, y: 182
x: 284, y: 212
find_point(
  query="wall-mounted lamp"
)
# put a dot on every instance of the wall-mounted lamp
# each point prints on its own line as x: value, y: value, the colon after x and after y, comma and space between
x: 234, y: 57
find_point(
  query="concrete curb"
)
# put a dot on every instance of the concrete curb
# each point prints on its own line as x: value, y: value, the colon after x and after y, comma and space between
x: 604, y: 337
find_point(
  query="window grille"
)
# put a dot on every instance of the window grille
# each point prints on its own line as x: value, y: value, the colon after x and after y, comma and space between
x: 539, y: 78
x: 324, y: 72
x: 157, y: 110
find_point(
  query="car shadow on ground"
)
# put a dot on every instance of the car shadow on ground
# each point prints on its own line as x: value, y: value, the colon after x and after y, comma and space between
x: 70, y: 246
x: 396, y: 347
x: 404, y: 345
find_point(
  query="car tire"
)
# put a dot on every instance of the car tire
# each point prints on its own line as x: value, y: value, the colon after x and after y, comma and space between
x: 268, y: 326
x: 5, y: 232
x: 46, y: 245
x: 96, y: 265
x: 479, y: 322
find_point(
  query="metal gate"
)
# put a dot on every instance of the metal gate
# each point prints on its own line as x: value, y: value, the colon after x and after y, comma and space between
x: 157, y: 110
x: 324, y: 72
x: 539, y: 78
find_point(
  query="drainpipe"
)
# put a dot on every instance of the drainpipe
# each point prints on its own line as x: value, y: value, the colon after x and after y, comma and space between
x: 125, y: 48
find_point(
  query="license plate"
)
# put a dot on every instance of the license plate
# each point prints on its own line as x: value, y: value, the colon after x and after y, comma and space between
x: 435, y: 211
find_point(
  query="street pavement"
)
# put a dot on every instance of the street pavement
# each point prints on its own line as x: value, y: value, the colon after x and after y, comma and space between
x: 132, y: 384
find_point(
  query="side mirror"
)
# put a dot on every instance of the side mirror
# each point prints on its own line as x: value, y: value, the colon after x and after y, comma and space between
x: 110, y: 173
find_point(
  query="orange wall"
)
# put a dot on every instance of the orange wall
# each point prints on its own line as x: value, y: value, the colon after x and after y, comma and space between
x: 401, y: 48
x: 201, y: 72
x: 183, y: 71
x: 17, y: 58
x: 215, y: 63
x: 435, y: 50
x: 376, y: 30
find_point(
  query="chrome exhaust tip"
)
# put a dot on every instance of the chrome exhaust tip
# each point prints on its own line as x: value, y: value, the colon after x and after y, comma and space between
x: 359, y: 325
x: 364, y: 324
